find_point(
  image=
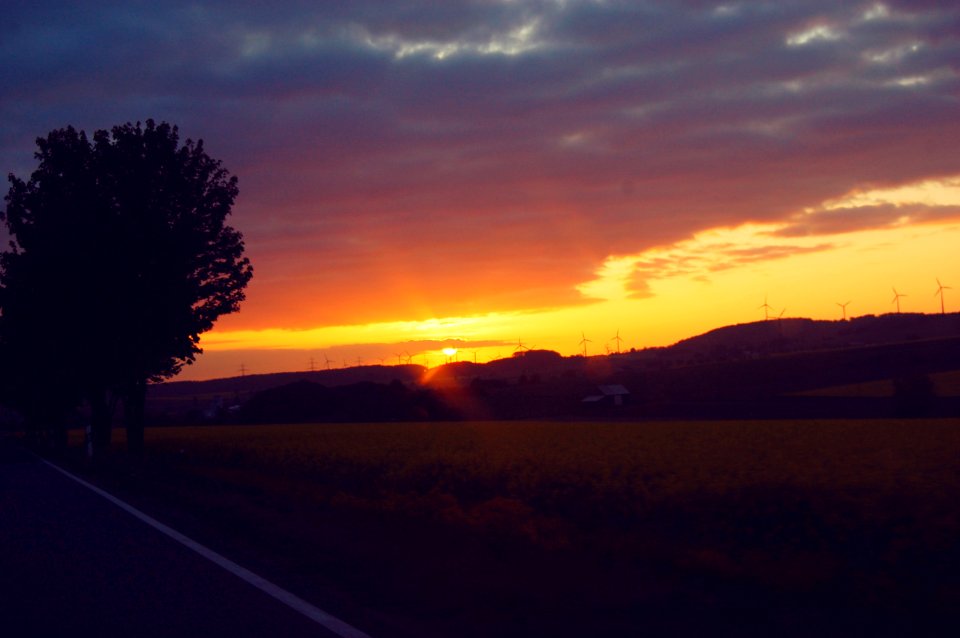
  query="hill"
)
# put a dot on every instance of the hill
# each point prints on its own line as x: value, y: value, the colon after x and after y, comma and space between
x: 748, y: 369
x: 778, y: 336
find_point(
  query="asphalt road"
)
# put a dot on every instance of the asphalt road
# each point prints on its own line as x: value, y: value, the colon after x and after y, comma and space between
x: 75, y: 564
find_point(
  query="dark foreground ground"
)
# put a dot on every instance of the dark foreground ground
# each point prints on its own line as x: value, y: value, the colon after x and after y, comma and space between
x: 73, y: 564
x: 788, y: 528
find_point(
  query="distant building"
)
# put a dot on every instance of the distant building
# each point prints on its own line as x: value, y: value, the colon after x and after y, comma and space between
x: 614, y: 394
x: 214, y: 409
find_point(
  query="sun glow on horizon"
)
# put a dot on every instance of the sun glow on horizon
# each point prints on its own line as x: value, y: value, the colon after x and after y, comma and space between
x: 717, y: 277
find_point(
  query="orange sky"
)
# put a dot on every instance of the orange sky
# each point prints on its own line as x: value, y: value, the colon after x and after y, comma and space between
x: 716, y: 277
x: 416, y: 175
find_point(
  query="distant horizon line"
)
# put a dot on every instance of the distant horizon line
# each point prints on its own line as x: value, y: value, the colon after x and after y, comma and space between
x: 634, y: 350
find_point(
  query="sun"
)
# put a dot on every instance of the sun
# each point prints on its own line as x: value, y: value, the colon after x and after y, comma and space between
x: 449, y: 351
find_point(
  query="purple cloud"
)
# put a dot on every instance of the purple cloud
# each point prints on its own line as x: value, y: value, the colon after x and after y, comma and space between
x: 488, y: 155
x: 848, y: 220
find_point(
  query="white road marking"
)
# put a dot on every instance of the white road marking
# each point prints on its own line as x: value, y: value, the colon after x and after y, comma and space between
x: 315, y: 614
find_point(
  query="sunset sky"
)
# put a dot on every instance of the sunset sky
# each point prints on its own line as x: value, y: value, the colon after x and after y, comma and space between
x: 415, y: 175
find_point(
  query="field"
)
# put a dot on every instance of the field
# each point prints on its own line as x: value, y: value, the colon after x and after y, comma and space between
x: 567, y: 529
x: 944, y: 384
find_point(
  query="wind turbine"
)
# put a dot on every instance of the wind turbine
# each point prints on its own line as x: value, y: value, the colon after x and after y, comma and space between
x: 583, y: 342
x: 327, y: 359
x: 843, y: 306
x: 940, y: 289
x: 766, y: 308
x: 618, y: 340
x: 520, y: 346
x: 896, y: 299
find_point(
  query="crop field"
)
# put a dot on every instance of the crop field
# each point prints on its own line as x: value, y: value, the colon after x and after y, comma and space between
x: 944, y: 384
x: 554, y: 528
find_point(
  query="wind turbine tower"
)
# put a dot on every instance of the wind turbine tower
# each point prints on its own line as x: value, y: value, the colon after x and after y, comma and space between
x: 583, y: 342
x: 617, y: 340
x: 940, y: 289
x: 766, y: 309
x: 843, y: 307
x: 896, y: 299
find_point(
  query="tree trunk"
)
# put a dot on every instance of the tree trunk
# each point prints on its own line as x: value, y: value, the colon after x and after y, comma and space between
x: 133, y: 413
x: 100, y: 417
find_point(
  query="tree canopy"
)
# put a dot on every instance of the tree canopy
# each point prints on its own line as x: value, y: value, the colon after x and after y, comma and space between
x: 120, y: 259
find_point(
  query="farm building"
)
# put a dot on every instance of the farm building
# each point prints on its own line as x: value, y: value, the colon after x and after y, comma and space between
x: 614, y: 394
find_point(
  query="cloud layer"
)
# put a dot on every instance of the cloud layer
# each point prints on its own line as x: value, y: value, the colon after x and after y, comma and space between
x: 418, y: 159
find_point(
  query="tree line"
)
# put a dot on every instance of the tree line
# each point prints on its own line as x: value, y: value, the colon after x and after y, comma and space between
x: 119, y: 259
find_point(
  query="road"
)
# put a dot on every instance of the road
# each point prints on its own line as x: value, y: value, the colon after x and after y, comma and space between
x: 73, y: 563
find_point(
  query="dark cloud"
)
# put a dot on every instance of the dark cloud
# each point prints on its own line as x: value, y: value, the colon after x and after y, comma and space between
x: 389, y: 352
x: 227, y: 363
x: 740, y: 256
x: 489, y: 155
x: 700, y: 262
x: 847, y: 220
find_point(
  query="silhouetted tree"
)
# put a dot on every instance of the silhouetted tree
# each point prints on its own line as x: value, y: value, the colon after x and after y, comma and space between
x: 43, y: 333
x: 121, y: 258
